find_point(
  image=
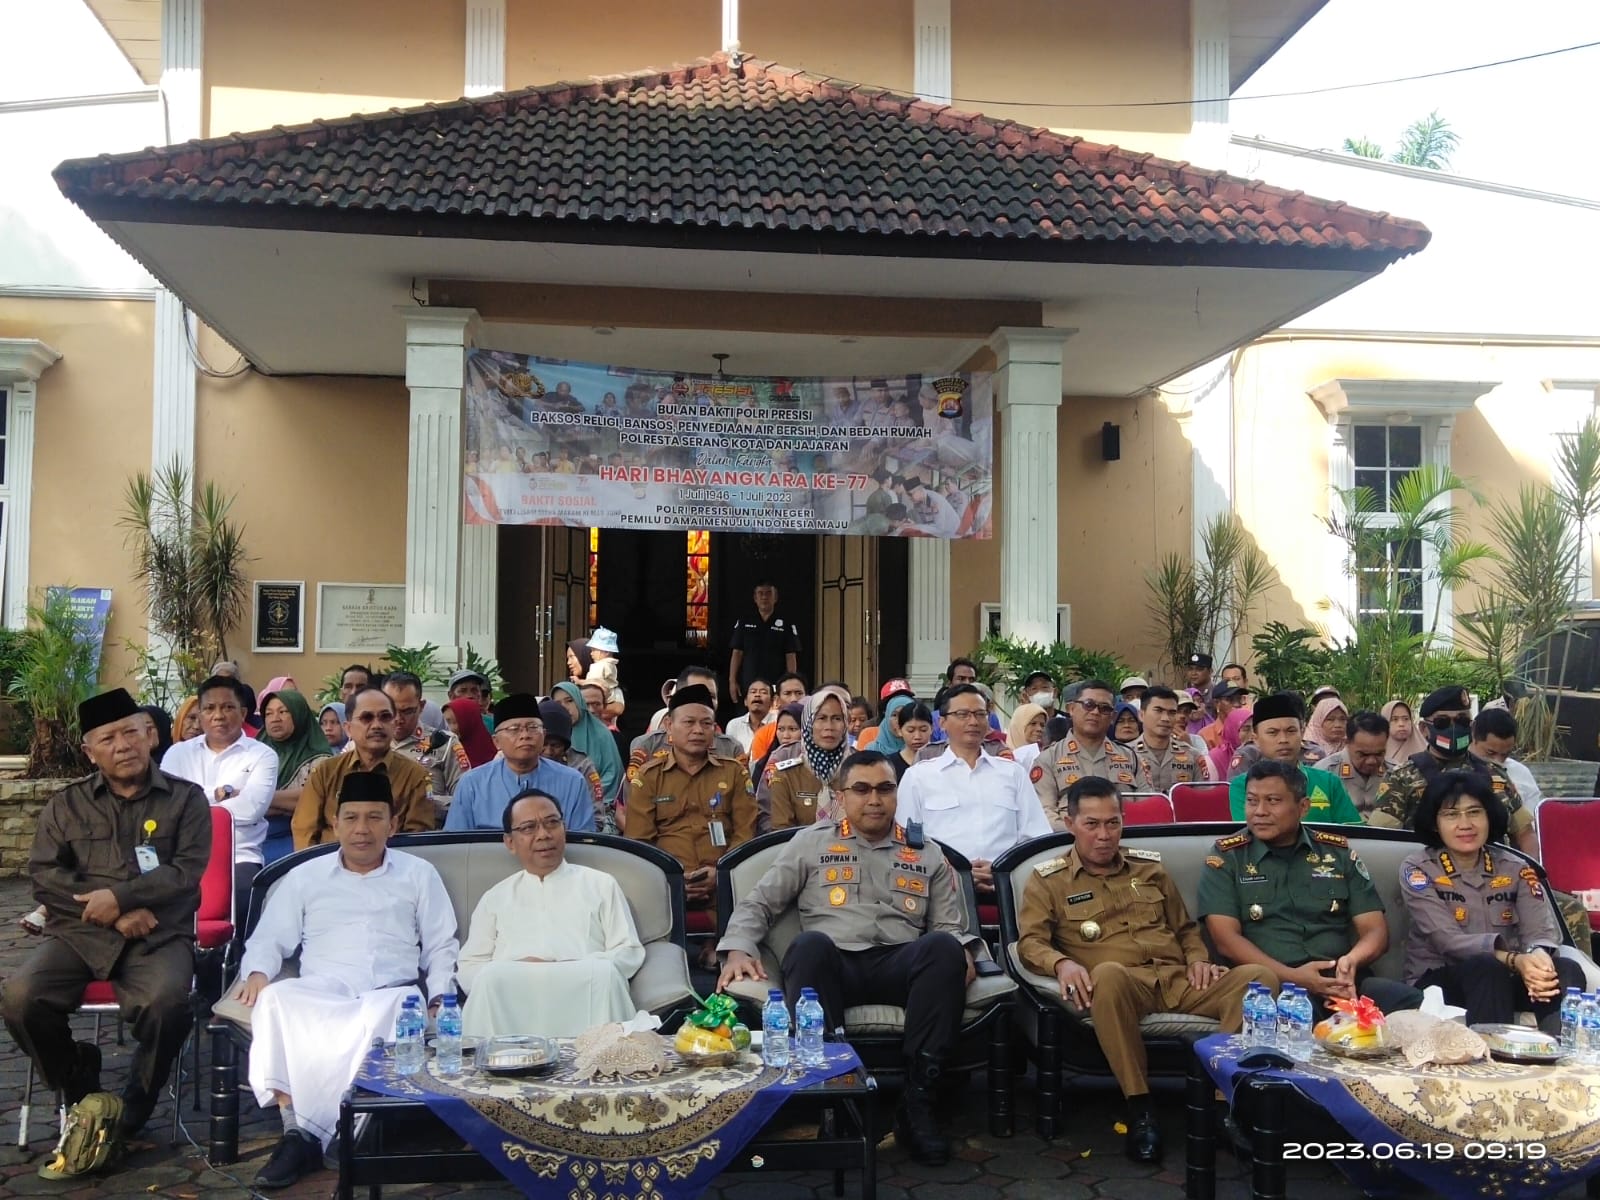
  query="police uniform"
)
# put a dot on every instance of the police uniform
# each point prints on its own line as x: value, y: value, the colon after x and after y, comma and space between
x: 1461, y: 912
x: 605, y: 817
x: 1296, y: 903
x: 695, y: 817
x: 1132, y: 932
x: 1061, y: 764
x: 875, y: 918
x: 1363, y: 789
x: 1160, y: 769
x: 794, y: 794
x: 440, y: 753
x: 1402, y: 790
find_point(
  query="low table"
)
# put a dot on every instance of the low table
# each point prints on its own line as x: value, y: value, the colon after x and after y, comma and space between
x: 1460, y: 1131
x: 382, y: 1153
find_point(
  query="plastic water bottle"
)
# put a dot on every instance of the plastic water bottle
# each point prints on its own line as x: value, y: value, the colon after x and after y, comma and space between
x: 1303, y: 1016
x: 1570, y: 1004
x: 409, y: 1050
x: 447, y: 1040
x: 775, y: 1031
x: 808, y: 1023
x: 1285, y: 1016
x: 1589, y: 1030
x: 1260, y: 1029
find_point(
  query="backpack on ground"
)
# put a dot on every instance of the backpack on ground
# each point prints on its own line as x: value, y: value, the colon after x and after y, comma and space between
x: 90, y: 1138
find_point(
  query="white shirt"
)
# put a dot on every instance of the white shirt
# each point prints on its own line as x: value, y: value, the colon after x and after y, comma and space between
x: 1024, y: 754
x: 741, y: 731
x: 249, y: 767
x: 1527, y: 787
x: 981, y: 811
x: 367, y: 931
x: 573, y: 914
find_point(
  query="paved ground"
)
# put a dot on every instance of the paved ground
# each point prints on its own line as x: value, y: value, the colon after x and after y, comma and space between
x: 1086, y: 1161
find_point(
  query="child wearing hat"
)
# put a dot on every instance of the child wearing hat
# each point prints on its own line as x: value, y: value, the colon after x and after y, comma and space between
x: 603, y: 662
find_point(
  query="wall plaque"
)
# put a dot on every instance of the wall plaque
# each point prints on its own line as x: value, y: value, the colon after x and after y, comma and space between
x: 280, y: 611
x: 358, y: 617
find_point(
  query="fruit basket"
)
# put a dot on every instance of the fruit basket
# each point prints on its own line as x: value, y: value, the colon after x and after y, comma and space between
x: 1355, y: 1029
x: 712, y: 1035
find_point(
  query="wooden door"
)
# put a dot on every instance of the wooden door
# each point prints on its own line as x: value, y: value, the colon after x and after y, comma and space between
x: 564, y: 599
x: 847, y: 612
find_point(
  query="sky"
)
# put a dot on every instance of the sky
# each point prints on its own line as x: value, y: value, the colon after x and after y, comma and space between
x: 1530, y: 124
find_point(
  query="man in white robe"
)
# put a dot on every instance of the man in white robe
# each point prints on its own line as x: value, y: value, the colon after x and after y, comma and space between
x: 369, y: 922
x: 550, y: 950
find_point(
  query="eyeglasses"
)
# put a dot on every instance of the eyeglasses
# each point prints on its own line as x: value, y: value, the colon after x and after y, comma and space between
x: 368, y: 718
x: 1096, y: 706
x: 520, y: 729
x: 965, y: 714
x: 529, y: 828
x: 1445, y: 720
x: 866, y: 789
x: 1463, y: 814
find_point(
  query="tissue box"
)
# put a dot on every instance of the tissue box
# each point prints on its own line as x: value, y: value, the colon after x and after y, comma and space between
x: 1433, y: 1004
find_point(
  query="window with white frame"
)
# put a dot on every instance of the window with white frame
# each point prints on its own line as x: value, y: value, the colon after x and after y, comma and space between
x: 1383, y: 455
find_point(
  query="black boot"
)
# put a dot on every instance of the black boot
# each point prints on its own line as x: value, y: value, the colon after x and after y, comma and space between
x: 914, y: 1127
x: 1144, y: 1139
x: 85, y: 1078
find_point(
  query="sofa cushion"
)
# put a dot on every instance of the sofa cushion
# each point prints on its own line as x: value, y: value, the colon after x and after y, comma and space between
x: 663, y: 980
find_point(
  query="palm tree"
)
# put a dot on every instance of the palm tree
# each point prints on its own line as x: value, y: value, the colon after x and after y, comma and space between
x: 1428, y: 142
x: 1364, y: 147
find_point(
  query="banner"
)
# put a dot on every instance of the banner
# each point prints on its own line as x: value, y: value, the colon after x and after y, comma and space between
x: 91, y: 610
x: 551, y: 442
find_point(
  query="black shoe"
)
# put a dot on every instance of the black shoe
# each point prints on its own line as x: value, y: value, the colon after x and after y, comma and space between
x: 296, y: 1155
x: 914, y: 1127
x: 1144, y: 1139
x: 136, y: 1110
x: 85, y: 1078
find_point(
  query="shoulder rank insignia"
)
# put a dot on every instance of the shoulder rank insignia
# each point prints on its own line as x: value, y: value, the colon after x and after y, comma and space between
x: 1235, y: 763
x: 900, y: 833
x: 1344, y: 771
x: 661, y: 753
x: 1233, y: 841
x: 1046, y: 869
x: 1331, y: 839
x: 1215, y: 860
x: 784, y: 766
x: 1072, y: 746
x: 1146, y: 855
x: 844, y: 827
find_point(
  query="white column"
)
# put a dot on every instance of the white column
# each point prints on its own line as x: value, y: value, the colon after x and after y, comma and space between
x: 486, y: 47
x: 730, y: 26
x: 931, y: 52
x: 436, y: 343
x: 928, y: 585
x: 22, y: 361
x: 1210, y: 81
x: 1341, y: 478
x: 173, y: 399
x: 1028, y: 398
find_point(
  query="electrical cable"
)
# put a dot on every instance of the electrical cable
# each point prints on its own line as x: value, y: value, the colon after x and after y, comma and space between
x: 242, y: 367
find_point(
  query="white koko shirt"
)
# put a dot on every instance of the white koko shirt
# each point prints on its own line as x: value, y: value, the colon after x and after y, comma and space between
x: 980, y: 811
x: 249, y: 767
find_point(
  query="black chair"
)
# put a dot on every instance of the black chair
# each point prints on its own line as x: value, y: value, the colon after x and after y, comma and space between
x: 877, y: 1031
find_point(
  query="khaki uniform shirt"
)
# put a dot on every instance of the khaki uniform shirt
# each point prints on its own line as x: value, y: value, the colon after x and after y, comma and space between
x: 1459, y: 909
x: 1159, y: 770
x: 605, y: 817
x: 1403, y: 787
x: 861, y: 894
x: 1363, y: 789
x: 1295, y: 904
x: 674, y: 810
x: 1133, y: 916
x: 318, y: 807
x: 796, y: 794
x: 85, y: 840
x: 1061, y: 764
x: 445, y: 763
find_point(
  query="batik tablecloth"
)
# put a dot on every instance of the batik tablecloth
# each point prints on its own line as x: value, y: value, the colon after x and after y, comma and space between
x: 1486, y: 1129
x: 663, y: 1138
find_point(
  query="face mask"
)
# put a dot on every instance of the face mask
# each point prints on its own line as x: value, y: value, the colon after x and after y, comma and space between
x: 1043, y: 699
x: 1451, y: 741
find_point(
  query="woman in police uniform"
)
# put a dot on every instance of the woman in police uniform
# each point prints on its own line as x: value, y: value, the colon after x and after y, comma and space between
x: 1482, y: 928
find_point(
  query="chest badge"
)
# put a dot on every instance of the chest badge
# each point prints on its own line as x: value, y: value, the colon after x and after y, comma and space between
x: 1460, y: 913
x: 909, y: 904
x: 1089, y: 931
x: 1256, y: 912
x: 833, y: 875
x: 836, y: 897
x: 1334, y: 907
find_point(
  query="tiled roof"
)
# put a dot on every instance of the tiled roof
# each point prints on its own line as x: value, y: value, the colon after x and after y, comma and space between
x: 750, y: 147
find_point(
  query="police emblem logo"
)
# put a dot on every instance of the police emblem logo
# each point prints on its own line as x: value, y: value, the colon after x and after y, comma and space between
x: 836, y: 897
x: 1036, y: 774
x: 909, y: 904
x: 832, y: 875
x: 1460, y: 913
x: 849, y: 874
x: 1417, y: 879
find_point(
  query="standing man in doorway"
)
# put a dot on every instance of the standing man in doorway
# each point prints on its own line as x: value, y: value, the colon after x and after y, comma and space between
x: 764, y: 646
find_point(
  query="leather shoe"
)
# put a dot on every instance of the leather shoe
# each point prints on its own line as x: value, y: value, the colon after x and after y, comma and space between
x: 85, y: 1078
x: 295, y: 1155
x: 1144, y: 1139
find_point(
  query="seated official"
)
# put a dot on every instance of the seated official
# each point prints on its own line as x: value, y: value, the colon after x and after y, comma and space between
x: 550, y: 949
x: 1481, y: 926
x: 1111, y: 927
x: 794, y: 787
x: 1287, y: 898
x: 883, y: 924
x: 370, y: 720
x: 116, y: 862
x: 483, y: 793
x: 369, y: 922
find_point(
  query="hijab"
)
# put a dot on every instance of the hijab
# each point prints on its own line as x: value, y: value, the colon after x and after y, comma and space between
x: 1019, y: 723
x: 1124, y: 709
x: 277, y: 683
x: 184, y: 709
x: 585, y: 659
x: 888, y: 741
x: 471, y: 731
x: 1316, y: 733
x: 823, y: 763
x: 338, y: 711
x: 163, y: 725
x: 591, y: 737
x: 1398, y: 751
x: 1228, y: 743
x: 305, y: 744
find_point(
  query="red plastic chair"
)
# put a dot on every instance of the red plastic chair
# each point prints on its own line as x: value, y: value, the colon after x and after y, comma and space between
x: 1568, y: 846
x: 1154, y: 809
x: 1200, y: 802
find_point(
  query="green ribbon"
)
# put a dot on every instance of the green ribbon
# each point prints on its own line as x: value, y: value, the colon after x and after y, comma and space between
x: 719, y: 1009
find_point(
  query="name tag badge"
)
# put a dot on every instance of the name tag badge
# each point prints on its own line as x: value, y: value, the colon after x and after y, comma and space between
x: 665, y: 799
x: 718, y: 837
x: 146, y: 855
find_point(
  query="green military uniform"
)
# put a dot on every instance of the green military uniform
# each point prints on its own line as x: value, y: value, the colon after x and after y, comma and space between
x: 1160, y: 769
x: 1330, y: 802
x: 1131, y: 931
x: 1363, y: 789
x: 1061, y: 764
x: 1403, y: 787
x: 1296, y: 903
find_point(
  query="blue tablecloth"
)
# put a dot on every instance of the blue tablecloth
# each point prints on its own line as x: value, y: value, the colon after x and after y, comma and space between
x: 1485, y: 1129
x: 662, y: 1138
